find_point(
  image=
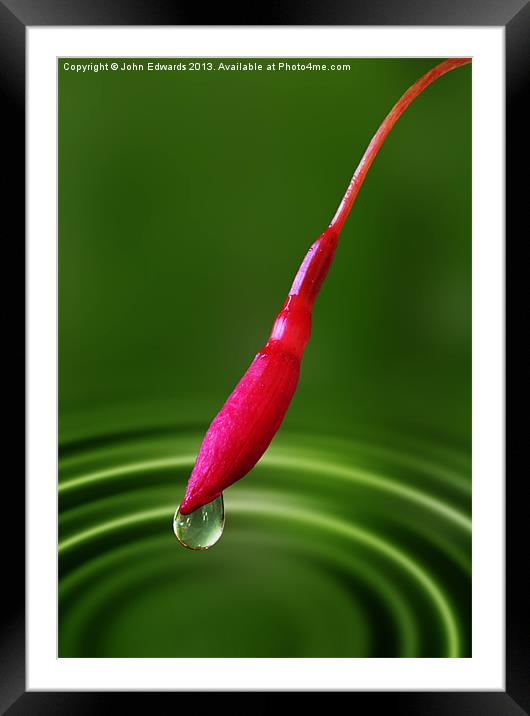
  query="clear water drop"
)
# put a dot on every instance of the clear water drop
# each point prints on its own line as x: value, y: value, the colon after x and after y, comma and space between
x: 202, y: 528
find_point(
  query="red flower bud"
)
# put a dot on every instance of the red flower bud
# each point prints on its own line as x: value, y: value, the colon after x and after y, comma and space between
x: 247, y: 422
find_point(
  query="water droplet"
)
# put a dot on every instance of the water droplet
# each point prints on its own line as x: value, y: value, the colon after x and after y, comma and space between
x: 202, y: 528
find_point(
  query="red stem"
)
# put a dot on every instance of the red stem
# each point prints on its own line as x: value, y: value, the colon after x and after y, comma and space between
x: 382, y: 133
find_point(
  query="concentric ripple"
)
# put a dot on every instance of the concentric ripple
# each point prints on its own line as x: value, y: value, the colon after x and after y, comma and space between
x: 332, y: 548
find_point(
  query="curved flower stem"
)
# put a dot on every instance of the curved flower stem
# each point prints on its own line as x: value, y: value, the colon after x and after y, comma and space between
x: 382, y: 133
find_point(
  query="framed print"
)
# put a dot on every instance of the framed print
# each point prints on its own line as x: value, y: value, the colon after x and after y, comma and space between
x: 188, y: 186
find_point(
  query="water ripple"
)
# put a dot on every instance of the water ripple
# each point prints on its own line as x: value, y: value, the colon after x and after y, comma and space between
x: 331, y: 548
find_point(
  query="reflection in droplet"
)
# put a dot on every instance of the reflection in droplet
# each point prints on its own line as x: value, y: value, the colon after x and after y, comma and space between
x: 202, y: 528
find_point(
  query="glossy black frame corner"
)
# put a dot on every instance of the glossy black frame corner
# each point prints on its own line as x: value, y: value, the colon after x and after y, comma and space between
x: 514, y: 15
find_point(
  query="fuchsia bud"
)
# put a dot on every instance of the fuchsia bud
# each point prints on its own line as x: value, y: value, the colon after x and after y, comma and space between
x: 247, y: 422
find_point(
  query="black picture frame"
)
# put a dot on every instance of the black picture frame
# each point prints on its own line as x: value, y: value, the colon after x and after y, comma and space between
x: 514, y: 15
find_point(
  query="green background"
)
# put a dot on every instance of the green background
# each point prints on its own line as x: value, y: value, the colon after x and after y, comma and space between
x: 186, y: 202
